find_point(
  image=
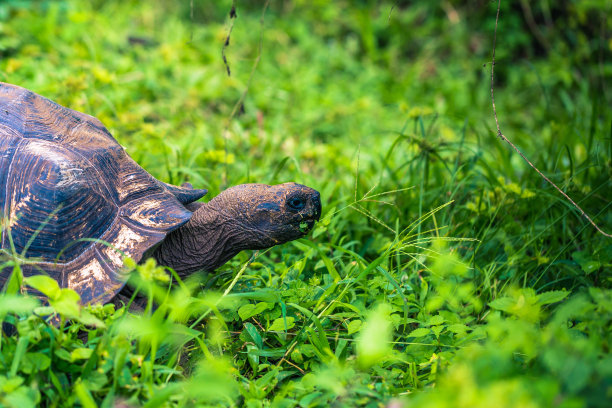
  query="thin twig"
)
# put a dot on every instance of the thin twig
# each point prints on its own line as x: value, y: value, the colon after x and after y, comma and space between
x: 240, y: 273
x: 226, y: 43
x: 501, y: 135
x: 255, y: 63
x: 227, y: 290
x: 240, y: 102
x: 391, y: 11
x: 191, y: 19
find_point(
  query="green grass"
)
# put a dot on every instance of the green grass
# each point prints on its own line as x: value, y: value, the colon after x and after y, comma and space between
x: 444, y: 273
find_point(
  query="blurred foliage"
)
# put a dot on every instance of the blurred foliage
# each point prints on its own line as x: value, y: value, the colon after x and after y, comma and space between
x: 444, y: 272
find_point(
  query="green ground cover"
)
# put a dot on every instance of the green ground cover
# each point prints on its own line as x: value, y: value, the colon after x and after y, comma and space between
x: 444, y: 273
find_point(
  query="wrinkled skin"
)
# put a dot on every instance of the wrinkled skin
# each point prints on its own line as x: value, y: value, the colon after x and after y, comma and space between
x: 248, y: 216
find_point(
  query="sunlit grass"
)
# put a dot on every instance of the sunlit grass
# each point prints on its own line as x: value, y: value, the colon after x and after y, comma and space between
x: 442, y: 269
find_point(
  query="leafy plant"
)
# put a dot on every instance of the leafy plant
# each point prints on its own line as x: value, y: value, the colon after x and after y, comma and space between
x: 443, y: 271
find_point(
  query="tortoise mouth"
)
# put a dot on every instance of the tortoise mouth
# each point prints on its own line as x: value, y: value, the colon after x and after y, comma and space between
x: 305, y: 225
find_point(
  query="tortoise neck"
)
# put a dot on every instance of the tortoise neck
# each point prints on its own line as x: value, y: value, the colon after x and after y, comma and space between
x: 206, y: 242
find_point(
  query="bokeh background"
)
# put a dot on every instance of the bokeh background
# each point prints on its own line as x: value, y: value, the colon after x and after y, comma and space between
x: 385, y: 107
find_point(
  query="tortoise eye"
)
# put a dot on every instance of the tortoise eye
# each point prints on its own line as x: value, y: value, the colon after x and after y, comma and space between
x: 296, y: 203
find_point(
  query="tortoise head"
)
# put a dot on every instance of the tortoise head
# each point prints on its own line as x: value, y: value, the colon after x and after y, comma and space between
x: 264, y: 215
x: 248, y: 216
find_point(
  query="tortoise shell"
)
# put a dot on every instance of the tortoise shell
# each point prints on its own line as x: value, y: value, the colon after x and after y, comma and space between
x: 73, y: 202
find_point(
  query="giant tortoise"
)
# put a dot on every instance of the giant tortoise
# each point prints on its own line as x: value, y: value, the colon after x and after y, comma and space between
x: 73, y: 203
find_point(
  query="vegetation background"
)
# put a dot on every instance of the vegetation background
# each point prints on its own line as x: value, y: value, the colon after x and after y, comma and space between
x: 444, y: 273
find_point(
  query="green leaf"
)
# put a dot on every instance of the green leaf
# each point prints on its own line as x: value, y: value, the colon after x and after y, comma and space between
x: 329, y: 265
x: 45, y: 285
x: 397, y: 287
x: 435, y: 320
x: 503, y: 303
x: 17, y: 304
x: 84, y: 395
x: 20, y: 351
x: 437, y: 330
x: 265, y: 295
x: 44, y: 310
x: 253, y: 357
x: 310, y: 400
x: 66, y: 303
x: 590, y: 267
x: 249, y: 310
x: 374, y: 339
x: 424, y: 291
x: 354, y: 326
x: 56, y: 383
x: 274, y: 353
x: 95, y: 381
x: 602, y: 297
x: 254, y: 333
x: 81, y: 353
x: 15, y: 281
x: 89, y: 319
x: 22, y: 397
x: 63, y: 354
x: 279, y: 324
x: 586, y: 261
x: 420, y: 332
x: 458, y: 328
x: 322, y: 338
x: 9, y: 385
x: 35, y: 362
x: 296, y: 355
x: 552, y: 296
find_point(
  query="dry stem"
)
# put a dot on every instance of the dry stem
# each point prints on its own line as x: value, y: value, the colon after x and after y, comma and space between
x: 501, y: 135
